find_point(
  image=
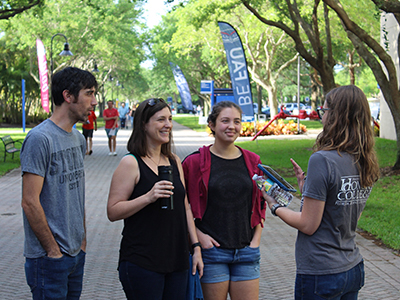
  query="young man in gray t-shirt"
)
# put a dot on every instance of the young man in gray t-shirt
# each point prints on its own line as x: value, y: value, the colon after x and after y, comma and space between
x: 53, y: 190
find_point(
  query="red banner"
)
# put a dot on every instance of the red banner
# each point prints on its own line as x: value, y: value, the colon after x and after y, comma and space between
x: 44, y: 79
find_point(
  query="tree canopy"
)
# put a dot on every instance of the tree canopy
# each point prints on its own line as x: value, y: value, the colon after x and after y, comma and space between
x: 113, y: 36
x: 9, y: 9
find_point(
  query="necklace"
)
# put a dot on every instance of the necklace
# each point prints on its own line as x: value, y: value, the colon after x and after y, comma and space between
x: 159, y: 160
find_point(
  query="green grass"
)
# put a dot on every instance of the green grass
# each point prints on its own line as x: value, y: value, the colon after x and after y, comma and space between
x: 386, y: 151
x: 381, y: 216
x: 190, y: 121
x: 11, y: 163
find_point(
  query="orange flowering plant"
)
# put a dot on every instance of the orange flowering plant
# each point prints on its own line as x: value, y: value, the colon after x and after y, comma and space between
x: 275, y: 128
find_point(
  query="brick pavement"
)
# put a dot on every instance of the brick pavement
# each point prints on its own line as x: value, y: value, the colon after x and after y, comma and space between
x: 101, y: 277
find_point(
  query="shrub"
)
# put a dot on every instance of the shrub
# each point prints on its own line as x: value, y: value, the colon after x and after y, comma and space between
x: 273, y: 129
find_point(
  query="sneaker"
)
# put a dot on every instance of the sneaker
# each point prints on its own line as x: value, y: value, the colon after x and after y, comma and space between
x: 109, y: 154
x: 114, y: 153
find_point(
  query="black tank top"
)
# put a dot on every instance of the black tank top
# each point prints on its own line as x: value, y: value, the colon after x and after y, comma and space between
x: 157, y: 239
x: 228, y: 214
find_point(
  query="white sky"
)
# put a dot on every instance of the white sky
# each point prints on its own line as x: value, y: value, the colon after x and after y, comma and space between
x: 154, y: 9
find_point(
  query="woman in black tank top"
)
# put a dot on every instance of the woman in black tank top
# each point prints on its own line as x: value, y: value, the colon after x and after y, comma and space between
x: 154, y: 252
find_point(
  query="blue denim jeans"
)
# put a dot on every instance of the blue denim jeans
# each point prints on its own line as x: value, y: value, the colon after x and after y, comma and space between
x: 341, y: 286
x: 139, y: 283
x: 55, y: 278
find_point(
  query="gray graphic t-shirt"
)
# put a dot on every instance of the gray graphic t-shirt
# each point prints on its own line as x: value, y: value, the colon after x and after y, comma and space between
x: 332, y: 178
x: 57, y: 156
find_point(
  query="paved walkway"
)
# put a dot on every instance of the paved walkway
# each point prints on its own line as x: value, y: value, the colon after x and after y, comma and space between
x: 101, y: 277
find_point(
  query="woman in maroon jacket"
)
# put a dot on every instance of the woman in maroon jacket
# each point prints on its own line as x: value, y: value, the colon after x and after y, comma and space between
x: 228, y: 208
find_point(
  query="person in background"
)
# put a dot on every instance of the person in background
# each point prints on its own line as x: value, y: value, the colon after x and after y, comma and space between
x: 87, y: 131
x: 53, y: 190
x: 228, y: 208
x: 110, y: 115
x: 341, y: 172
x: 154, y: 253
x: 123, y: 111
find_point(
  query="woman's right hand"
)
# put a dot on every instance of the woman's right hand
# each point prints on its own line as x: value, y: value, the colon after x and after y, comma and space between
x: 206, y: 240
x: 161, y: 189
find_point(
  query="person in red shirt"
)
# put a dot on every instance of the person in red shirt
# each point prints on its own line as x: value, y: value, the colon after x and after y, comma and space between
x: 87, y: 131
x: 110, y: 115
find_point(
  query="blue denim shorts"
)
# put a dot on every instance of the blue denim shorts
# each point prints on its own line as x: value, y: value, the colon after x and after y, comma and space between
x: 230, y: 264
x: 108, y: 131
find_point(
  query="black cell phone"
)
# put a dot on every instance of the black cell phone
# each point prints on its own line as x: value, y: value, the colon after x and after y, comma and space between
x: 275, y: 177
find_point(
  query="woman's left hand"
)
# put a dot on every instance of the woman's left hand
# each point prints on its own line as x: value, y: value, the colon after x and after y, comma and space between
x: 197, y: 262
x: 300, y: 175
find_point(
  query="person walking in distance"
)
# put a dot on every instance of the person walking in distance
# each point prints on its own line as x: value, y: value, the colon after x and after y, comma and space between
x: 123, y: 111
x: 110, y: 115
x: 87, y: 131
x: 53, y: 190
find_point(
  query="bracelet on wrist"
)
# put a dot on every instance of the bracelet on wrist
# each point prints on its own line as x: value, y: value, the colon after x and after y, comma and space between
x: 274, y: 208
x: 198, y: 244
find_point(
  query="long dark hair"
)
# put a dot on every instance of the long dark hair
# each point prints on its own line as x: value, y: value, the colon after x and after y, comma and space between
x: 348, y: 128
x: 137, y: 143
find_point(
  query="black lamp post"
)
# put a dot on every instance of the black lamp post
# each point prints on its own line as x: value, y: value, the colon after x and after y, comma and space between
x: 117, y: 85
x: 65, y: 52
x: 95, y: 69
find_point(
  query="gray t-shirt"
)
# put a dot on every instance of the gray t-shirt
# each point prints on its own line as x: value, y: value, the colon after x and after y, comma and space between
x: 57, y: 156
x: 332, y: 178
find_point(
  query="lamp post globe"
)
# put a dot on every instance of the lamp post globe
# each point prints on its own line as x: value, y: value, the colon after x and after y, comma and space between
x: 65, y: 52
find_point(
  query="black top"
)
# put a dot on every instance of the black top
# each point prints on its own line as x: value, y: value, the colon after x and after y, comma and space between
x: 228, y: 213
x: 156, y: 239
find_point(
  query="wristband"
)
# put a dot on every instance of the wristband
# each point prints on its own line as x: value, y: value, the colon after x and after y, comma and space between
x: 198, y: 244
x: 274, y: 208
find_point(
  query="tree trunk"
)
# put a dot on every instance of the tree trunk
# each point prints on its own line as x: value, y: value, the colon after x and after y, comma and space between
x: 272, y: 101
x: 352, y: 69
x: 386, y: 77
x: 259, y: 98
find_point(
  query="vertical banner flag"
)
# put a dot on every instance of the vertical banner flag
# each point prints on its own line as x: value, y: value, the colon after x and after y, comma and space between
x: 183, y: 87
x: 238, y: 70
x: 44, y: 79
